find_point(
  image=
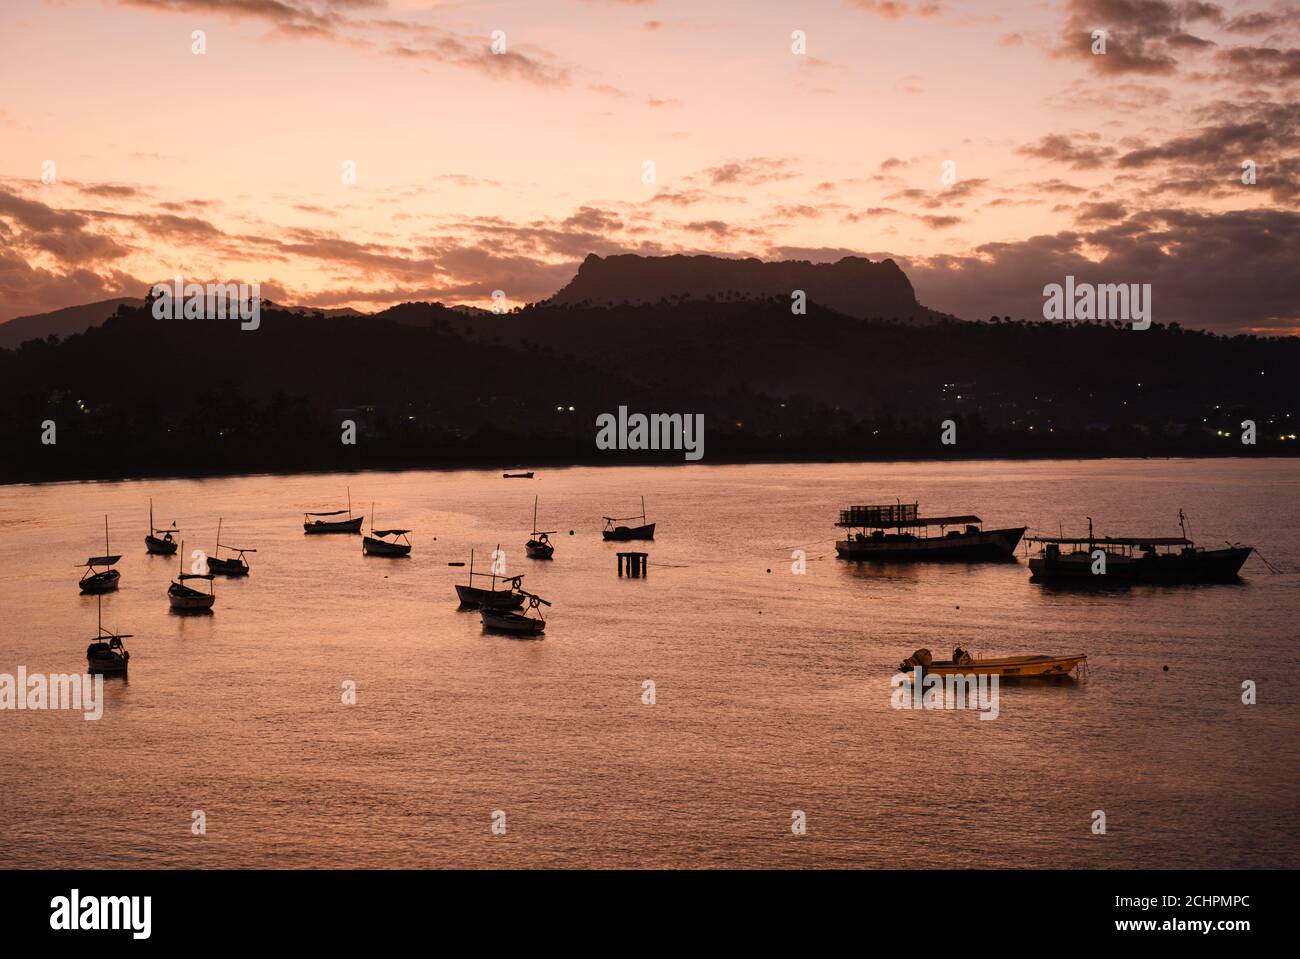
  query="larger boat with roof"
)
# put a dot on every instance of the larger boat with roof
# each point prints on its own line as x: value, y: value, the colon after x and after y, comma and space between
x: 1119, y: 560
x: 896, y: 532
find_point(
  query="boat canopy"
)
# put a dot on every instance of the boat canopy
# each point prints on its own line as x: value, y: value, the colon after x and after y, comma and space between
x: 185, y: 576
x: 390, y: 532
x: 334, y: 512
x: 1111, y: 540
x: 101, y: 561
x: 851, y: 518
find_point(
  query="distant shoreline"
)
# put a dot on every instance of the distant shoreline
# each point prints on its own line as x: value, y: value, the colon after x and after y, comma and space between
x: 625, y: 461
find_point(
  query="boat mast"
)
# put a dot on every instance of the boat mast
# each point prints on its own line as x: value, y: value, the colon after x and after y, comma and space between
x: 105, y: 534
x: 349, y: 502
x: 534, y: 517
x: 150, y: 515
x: 643, y: 510
x: 218, y: 550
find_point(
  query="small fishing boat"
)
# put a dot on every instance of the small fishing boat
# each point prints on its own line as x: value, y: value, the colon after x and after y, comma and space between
x: 622, y: 534
x: 1169, y: 560
x: 106, y: 654
x: 520, y: 624
x: 186, y: 599
x: 528, y: 475
x: 894, y: 532
x: 539, y: 545
x: 313, y: 525
x: 164, y: 545
x: 1007, y: 667
x: 96, y: 580
x: 385, y: 542
x: 475, y: 597
x: 233, y: 566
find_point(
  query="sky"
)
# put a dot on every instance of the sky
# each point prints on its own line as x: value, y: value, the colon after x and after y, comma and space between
x: 984, y: 146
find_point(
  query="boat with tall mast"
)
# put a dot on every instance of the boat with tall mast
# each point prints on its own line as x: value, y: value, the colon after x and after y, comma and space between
x: 539, y: 545
x: 622, y: 534
x: 164, y: 545
x: 896, y: 532
x: 520, y: 624
x: 186, y: 599
x: 96, y: 580
x: 235, y: 565
x: 1122, y: 560
x: 106, y: 654
x: 476, y: 597
x: 311, y: 524
x: 385, y: 542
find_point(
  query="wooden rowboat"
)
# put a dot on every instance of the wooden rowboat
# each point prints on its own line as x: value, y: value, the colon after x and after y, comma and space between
x: 520, y: 624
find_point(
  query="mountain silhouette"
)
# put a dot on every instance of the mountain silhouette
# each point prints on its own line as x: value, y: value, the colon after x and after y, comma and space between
x: 854, y: 286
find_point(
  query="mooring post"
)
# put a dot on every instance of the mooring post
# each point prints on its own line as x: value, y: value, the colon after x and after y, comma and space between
x: 636, y: 564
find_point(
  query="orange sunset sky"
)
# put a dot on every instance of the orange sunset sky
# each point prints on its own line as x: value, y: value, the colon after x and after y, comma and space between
x: 477, y: 171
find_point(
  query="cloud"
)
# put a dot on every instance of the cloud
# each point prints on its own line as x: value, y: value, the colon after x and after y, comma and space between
x: 1219, y: 271
x: 1060, y: 148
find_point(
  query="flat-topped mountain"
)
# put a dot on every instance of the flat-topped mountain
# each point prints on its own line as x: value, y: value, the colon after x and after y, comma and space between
x: 854, y: 285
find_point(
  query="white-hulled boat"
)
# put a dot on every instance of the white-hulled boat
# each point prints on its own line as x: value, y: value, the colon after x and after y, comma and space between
x: 312, y: 524
x: 164, y: 545
x: 539, y: 545
x: 475, y: 597
x: 520, y: 624
x: 96, y: 580
x: 186, y: 599
x: 106, y: 654
x: 1007, y: 667
x: 234, y: 566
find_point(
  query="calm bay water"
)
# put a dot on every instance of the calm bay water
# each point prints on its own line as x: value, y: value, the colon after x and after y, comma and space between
x: 772, y: 689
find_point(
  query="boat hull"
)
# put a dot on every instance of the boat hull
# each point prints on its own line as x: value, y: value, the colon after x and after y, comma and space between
x: 539, y: 550
x: 334, y: 526
x: 227, y: 567
x: 990, y: 545
x: 1011, y: 667
x: 378, y: 547
x: 1188, y: 567
x: 107, y: 665
x: 186, y: 600
x: 514, y: 623
x: 475, y: 598
x: 622, y: 534
x: 104, y: 582
x: 159, y: 547
x: 516, y: 475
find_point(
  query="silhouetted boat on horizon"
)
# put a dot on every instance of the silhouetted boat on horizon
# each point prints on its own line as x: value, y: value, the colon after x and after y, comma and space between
x: 317, y: 526
x: 95, y: 580
x: 1134, y: 559
x: 106, y: 654
x: 164, y: 545
x: 385, y: 542
x: 520, y: 624
x: 475, y: 597
x: 235, y: 566
x: 186, y: 599
x: 622, y: 534
x: 539, y: 545
x: 894, y: 532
